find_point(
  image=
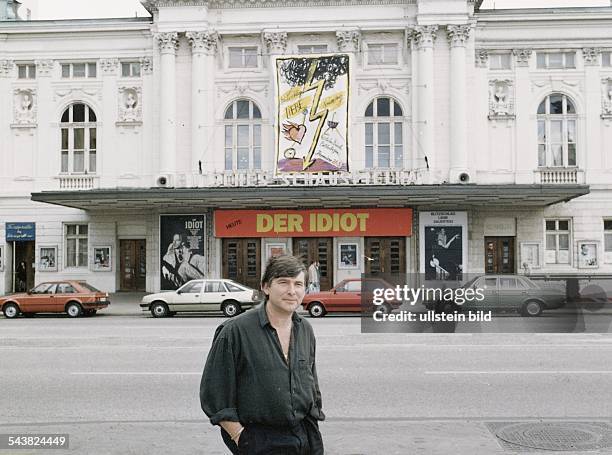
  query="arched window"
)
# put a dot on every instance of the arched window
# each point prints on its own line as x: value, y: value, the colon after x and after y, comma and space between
x: 79, y: 137
x: 242, y: 135
x: 556, y: 132
x: 384, y: 143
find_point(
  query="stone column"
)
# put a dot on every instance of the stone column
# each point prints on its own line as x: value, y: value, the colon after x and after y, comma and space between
x: 526, y: 131
x: 458, y: 36
x: 203, y: 50
x: 168, y: 45
x: 423, y: 38
x: 108, y: 136
x: 590, y: 158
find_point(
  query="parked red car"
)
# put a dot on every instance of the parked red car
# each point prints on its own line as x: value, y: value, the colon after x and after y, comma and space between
x: 75, y: 298
x: 346, y: 297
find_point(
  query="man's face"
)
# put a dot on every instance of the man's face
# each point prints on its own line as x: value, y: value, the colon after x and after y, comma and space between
x: 176, y: 241
x: 285, y: 294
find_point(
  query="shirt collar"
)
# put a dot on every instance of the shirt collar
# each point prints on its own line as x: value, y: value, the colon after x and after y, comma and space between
x: 263, y: 316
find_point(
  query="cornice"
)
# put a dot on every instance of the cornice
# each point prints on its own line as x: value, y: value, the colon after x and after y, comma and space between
x: 154, y: 5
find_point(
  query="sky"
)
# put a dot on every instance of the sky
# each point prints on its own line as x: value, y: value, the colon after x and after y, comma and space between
x: 72, y: 9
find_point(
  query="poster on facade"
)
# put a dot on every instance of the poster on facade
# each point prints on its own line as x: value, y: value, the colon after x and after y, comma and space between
x: 181, y: 240
x: 312, y: 99
x: 443, y: 244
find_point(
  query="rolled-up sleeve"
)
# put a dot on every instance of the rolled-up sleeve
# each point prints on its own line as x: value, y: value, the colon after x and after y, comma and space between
x: 218, y: 384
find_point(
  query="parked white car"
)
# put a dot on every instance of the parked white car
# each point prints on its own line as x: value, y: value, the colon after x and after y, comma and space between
x: 197, y: 296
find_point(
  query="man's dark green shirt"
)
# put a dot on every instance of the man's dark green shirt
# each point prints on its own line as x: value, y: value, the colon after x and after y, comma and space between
x: 246, y: 378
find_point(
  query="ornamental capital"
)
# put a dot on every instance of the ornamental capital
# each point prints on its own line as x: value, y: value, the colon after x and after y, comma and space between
x: 203, y: 42
x: 44, y: 67
x: 482, y: 58
x: 423, y: 36
x: 348, y: 40
x: 458, y: 35
x: 276, y: 42
x: 109, y: 66
x: 522, y: 56
x: 168, y: 42
x: 6, y: 67
x: 146, y: 65
x: 591, y: 56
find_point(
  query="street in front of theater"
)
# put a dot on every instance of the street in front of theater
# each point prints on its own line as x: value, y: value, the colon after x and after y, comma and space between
x: 123, y: 382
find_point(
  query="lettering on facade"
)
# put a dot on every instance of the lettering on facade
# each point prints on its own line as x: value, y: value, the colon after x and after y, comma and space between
x: 317, y: 222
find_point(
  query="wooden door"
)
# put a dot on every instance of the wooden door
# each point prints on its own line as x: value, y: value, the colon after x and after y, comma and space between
x: 319, y: 249
x: 499, y: 255
x: 132, y: 265
x: 385, y: 255
x: 242, y: 261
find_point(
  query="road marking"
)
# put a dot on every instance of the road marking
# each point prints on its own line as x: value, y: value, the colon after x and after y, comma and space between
x: 520, y: 372
x: 136, y: 373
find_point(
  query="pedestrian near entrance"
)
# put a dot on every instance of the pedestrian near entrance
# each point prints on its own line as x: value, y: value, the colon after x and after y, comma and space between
x: 314, y: 278
x: 260, y: 380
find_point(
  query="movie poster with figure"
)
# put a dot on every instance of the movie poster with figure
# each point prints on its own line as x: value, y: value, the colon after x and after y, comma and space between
x: 312, y: 95
x: 181, y: 250
x: 443, y: 252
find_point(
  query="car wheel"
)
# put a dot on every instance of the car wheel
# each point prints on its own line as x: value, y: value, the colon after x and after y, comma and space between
x: 10, y: 311
x: 316, y: 310
x: 231, y: 309
x: 159, y: 310
x: 74, y: 310
x: 385, y: 308
x: 532, y: 308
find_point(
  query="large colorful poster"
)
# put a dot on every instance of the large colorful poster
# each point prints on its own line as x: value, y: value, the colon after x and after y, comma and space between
x: 181, y: 243
x: 312, y: 96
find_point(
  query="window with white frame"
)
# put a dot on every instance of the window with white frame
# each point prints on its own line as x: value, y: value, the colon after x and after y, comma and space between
x: 243, y: 57
x: 556, y: 60
x: 312, y: 49
x: 607, y: 240
x: 130, y: 69
x: 26, y: 71
x: 78, y: 140
x: 606, y: 59
x: 384, y: 131
x: 242, y: 135
x: 556, y: 132
x: 79, y: 70
x: 76, y: 236
x: 383, y: 54
x: 500, y: 61
x: 558, y: 233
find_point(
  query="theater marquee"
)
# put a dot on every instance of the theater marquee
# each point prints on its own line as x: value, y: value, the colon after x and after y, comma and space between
x: 314, y: 223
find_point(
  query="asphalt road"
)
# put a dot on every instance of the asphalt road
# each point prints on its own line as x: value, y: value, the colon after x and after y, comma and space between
x: 129, y: 385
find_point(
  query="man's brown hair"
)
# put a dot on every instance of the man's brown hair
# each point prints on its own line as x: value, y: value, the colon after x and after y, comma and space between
x: 282, y: 266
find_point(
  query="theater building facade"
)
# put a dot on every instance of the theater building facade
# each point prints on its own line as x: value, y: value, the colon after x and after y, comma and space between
x: 411, y: 136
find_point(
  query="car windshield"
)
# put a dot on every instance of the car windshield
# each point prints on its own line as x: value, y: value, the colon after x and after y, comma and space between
x: 43, y: 288
x: 233, y: 286
x: 88, y: 286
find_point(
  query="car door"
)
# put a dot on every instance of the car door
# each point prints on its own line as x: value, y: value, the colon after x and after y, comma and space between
x: 350, y: 298
x: 188, y: 297
x: 511, y: 295
x: 490, y: 292
x: 44, y: 301
x: 214, y: 293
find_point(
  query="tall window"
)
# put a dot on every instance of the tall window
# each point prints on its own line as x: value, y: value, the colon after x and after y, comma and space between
x: 556, y: 132
x: 557, y: 241
x: 79, y: 140
x: 76, y: 245
x: 26, y: 71
x: 384, y: 145
x: 242, y: 136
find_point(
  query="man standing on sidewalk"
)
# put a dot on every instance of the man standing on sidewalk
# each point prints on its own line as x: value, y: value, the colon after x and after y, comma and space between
x: 260, y: 380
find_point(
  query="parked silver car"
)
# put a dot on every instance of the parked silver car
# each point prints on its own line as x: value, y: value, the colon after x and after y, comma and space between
x: 196, y: 296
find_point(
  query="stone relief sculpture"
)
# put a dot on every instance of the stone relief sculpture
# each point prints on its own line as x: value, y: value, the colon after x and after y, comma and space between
x: 25, y: 108
x: 130, y: 106
x: 501, y: 99
x: 606, y: 98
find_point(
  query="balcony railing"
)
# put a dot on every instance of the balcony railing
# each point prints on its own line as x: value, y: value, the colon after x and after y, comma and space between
x: 559, y: 176
x: 78, y: 182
